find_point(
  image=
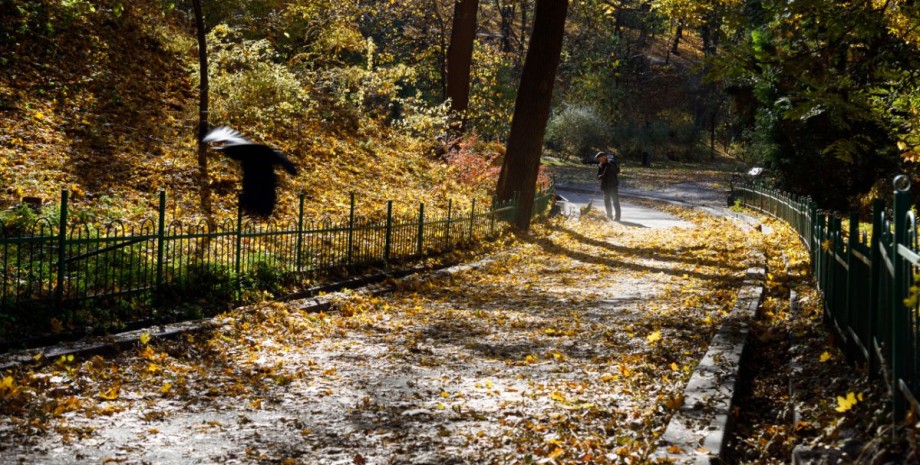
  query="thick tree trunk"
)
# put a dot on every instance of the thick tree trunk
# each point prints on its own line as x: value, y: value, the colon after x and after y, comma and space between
x: 531, y: 109
x: 460, y: 56
x: 204, y: 181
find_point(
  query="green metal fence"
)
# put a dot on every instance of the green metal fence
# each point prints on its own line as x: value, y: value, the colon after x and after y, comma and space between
x: 56, y: 273
x: 868, y: 282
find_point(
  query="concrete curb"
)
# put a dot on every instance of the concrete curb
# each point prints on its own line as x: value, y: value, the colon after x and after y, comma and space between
x: 699, y: 430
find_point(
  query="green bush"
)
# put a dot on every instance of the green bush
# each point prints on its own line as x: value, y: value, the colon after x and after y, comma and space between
x: 17, y: 221
x: 577, y: 129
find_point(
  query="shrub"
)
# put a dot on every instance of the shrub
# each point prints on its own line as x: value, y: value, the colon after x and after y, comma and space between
x: 577, y: 129
x: 247, y: 86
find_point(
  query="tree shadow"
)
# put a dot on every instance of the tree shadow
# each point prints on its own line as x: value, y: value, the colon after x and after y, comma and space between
x: 658, y: 253
x: 630, y: 224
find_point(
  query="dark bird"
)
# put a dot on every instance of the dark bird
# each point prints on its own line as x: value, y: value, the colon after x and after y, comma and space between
x: 586, y: 209
x: 258, y: 196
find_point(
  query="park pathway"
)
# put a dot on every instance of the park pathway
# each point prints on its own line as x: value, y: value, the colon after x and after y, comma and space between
x: 633, y: 214
x: 572, y: 345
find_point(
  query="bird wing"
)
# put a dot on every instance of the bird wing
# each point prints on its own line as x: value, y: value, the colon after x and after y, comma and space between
x: 226, y: 135
x: 285, y: 163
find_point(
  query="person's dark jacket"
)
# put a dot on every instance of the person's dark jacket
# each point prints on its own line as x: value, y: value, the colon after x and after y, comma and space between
x: 607, y: 173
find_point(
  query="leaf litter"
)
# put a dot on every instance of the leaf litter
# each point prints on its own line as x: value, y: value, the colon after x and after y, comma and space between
x: 571, y: 345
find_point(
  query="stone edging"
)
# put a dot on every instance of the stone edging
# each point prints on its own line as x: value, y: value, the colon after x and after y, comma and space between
x: 698, y: 430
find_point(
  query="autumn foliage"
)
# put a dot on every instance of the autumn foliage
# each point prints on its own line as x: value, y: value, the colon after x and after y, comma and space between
x: 109, y: 113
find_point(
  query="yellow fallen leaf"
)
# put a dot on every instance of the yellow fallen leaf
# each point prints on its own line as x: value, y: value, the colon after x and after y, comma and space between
x: 166, y: 388
x: 825, y: 356
x: 654, y: 337
x: 111, y: 394
x: 846, y: 403
x: 147, y: 353
x: 674, y: 403
x: 145, y: 338
x: 556, y: 453
x: 674, y: 367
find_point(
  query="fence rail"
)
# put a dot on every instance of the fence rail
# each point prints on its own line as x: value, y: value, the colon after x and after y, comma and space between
x: 869, y: 282
x: 60, y: 275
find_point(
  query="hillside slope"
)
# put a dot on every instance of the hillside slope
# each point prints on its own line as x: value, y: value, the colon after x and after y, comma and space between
x: 102, y: 101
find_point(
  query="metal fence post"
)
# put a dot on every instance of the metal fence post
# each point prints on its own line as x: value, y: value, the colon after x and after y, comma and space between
x: 813, y: 208
x: 62, y: 256
x: 875, y: 273
x: 850, y: 304
x: 450, y: 205
x: 472, y: 218
x: 389, y: 232
x: 237, y: 261
x: 299, y: 254
x: 161, y: 245
x: 421, y: 229
x: 492, y: 217
x: 351, y: 227
x: 900, y: 320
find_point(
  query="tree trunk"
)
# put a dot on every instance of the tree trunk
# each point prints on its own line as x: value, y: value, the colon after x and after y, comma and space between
x: 712, y: 134
x: 523, y: 37
x: 677, y: 36
x: 460, y: 58
x: 506, y: 15
x: 204, y: 181
x: 531, y: 109
x: 442, y: 52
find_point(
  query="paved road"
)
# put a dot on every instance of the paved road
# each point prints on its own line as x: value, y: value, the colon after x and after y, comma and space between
x: 633, y: 215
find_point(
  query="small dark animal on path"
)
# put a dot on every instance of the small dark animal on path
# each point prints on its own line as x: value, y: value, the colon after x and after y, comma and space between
x: 258, y: 196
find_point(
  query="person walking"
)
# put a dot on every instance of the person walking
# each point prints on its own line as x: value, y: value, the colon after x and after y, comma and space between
x: 608, y: 169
